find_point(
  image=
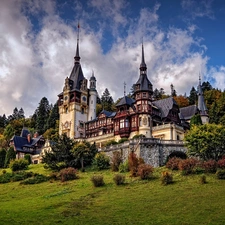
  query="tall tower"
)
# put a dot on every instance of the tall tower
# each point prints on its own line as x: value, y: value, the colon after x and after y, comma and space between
x: 201, y: 104
x: 143, y: 97
x: 92, y: 98
x: 73, y: 105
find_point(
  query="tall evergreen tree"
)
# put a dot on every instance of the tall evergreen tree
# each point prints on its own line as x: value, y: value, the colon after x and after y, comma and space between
x: 2, y: 157
x: 193, y: 96
x: 10, y: 155
x: 53, y: 117
x: 107, y: 100
x: 42, y: 114
x: 206, y: 86
x: 173, y: 91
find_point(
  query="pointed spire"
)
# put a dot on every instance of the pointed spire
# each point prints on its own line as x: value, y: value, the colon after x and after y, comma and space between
x: 77, y: 56
x: 143, y: 66
x: 124, y: 86
x: 201, y: 102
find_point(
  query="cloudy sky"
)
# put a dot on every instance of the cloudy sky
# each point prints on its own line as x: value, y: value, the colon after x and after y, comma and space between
x: 182, y: 39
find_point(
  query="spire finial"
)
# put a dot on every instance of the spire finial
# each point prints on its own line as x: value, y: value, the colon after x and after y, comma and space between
x: 77, y: 56
x: 124, y: 87
x: 143, y: 66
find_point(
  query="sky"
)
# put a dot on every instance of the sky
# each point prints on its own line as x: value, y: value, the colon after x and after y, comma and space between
x: 183, y: 39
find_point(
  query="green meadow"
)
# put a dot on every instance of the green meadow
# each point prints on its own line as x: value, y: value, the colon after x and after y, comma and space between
x: 186, y: 201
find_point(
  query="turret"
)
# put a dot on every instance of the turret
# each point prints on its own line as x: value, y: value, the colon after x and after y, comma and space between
x: 92, y: 98
x: 201, y: 105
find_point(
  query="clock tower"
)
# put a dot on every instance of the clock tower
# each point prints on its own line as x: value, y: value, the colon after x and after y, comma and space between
x: 73, y: 102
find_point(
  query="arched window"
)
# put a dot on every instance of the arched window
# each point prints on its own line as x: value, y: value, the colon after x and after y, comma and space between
x: 140, y: 122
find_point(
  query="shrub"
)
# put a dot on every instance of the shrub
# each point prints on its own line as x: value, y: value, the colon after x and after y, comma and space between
x: 68, y: 174
x: 116, y: 161
x: 112, y: 142
x: 187, y: 165
x: 173, y: 163
x: 210, y: 166
x: 220, y: 174
x: 119, y: 179
x: 101, y: 161
x: 122, y: 140
x: 145, y: 171
x: 138, y: 136
x: 97, y: 180
x: 203, y: 179
x: 124, y: 167
x: 18, y: 164
x: 21, y: 175
x: 38, y: 178
x: 5, y: 178
x: 133, y: 163
x: 28, y: 158
x: 54, y: 176
x: 166, y: 178
x: 221, y: 163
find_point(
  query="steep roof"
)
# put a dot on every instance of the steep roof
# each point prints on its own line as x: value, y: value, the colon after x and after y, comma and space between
x: 125, y: 101
x: 21, y: 142
x: 187, y: 112
x: 165, y: 105
x: 76, y: 76
x: 107, y: 113
x: 143, y: 83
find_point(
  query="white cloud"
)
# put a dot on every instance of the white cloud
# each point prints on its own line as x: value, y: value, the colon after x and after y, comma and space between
x: 34, y: 64
x: 200, y: 8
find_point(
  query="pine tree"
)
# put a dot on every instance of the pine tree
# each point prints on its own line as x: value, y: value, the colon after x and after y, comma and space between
x: 193, y: 96
x: 2, y: 157
x: 206, y: 86
x: 173, y: 91
x: 10, y: 155
x: 107, y: 100
x: 42, y: 114
x: 53, y: 117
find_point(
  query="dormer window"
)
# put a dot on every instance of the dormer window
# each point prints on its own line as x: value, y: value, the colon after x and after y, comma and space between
x: 144, y: 95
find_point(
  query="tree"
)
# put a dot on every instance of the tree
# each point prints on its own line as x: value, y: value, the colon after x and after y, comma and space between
x: 3, y: 121
x: 8, y: 132
x: 107, y: 101
x: 60, y: 155
x: 53, y: 117
x: 80, y: 152
x: 42, y: 114
x: 173, y: 91
x: 196, y: 120
x: 181, y: 101
x: 17, y: 114
x: 10, y: 155
x: 2, y: 157
x: 193, y: 96
x: 206, y: 86
x: 206, y: 141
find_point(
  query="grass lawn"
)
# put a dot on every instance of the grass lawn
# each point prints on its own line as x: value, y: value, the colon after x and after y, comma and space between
x: 186, y: 201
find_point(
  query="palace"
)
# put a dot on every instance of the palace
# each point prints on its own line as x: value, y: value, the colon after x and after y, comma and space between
x: 141, y: 115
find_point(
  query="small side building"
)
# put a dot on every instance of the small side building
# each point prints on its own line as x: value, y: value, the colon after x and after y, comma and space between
x: 25, y: 144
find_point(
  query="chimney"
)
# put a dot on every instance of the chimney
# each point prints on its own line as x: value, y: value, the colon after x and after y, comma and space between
x: 28, y: 138
x: 35, y: 134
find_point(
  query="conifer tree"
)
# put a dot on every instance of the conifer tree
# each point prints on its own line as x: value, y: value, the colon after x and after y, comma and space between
x: 10, y: 155
x: 107, y: 100
x: 53, y: 117
x: 193, y: 96
x: 42, y: 114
